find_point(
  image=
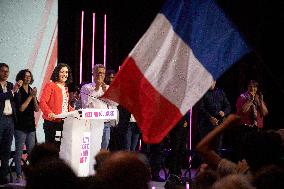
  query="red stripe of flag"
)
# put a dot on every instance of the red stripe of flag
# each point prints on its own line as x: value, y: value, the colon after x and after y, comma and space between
x: 128, y: 88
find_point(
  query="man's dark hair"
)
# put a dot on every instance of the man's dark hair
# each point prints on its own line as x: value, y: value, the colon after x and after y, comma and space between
x: 109, y: 72
x: 22, y: 73
x: 3, y: 65
x: 55, y: 73
x: 52, y: 173
x: 72, y: 87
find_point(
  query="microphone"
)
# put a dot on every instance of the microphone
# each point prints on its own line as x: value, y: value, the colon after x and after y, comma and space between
x: 97, y: 98
x: 260, y: 96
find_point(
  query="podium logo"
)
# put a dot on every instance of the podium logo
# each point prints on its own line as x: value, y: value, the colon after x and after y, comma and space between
x: 110, y: 114
x: 85, y: 148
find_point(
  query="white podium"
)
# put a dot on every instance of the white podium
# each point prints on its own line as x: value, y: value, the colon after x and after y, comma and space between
x: 82, y: 137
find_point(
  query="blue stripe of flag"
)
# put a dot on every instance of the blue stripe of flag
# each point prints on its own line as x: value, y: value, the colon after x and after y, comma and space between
x: 203, y: 25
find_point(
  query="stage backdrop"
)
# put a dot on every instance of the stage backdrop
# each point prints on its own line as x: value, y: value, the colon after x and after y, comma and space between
x: 28, y: 40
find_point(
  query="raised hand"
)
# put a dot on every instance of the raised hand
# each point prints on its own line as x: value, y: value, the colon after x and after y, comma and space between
x: 104, y: 86
x: 214, y: 121
x: 258, y: 99
x: 100, y: 83
x: 17, y: 86
x: 221, y: 113
x: 34, y: 92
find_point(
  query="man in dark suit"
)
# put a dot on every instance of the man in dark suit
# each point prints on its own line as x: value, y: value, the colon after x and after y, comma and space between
x: 7, y: 119
x: 214, y: 107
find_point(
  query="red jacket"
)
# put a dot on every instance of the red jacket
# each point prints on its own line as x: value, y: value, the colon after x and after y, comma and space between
x: 51, y: 101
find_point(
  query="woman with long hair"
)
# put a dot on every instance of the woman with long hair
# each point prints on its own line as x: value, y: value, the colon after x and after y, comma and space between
x: 55, y: 100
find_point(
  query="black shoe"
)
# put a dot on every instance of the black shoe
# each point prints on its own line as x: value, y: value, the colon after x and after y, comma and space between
x: 158, y: 179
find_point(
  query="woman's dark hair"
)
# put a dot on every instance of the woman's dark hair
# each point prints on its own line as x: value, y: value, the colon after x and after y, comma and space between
x: 21, y: 75
x: 253, y: 83
x: 55, y: 73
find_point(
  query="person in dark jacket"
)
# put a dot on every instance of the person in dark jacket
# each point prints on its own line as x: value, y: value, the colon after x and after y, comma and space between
x: 214, y: 107
x: 7, y: 119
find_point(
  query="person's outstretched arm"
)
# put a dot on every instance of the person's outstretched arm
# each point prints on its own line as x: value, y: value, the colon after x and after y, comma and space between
x: 204, y: 146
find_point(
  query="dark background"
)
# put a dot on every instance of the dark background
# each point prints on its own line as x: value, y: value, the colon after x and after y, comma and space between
x: 127, y: 20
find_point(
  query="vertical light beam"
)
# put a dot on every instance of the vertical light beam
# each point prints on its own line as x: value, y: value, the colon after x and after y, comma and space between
x: 81, y: 48
x: 93, y: 43
x: 105, y: 21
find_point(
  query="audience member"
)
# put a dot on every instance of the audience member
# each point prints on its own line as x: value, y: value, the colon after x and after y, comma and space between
x: 213, y: 159
x: 125, y: 170
x: 261, y: 149
x: 233, y: 181
x: 101, y: 157
x: 205, y: 179
x: 269, y: 177
x: 51, y: 174
x: 42, y: 152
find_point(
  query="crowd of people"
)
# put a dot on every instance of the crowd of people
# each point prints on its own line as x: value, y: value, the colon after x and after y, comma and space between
x: 255, y: 152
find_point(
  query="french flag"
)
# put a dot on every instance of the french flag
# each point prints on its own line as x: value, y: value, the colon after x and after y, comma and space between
x: 189, y: 44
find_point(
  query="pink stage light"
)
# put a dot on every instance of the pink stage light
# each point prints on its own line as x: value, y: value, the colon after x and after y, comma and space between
x: 81, y: 49
x: 190, y: 135
x: 140, y: 145
x: 93, y: 43
x: 105, y: 21
x: 187, y: 186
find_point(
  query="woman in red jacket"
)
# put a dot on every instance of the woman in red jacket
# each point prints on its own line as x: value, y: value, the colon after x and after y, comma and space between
x: 55, y: 100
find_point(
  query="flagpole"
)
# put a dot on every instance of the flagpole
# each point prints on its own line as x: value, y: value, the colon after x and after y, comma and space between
x: 190, y: 136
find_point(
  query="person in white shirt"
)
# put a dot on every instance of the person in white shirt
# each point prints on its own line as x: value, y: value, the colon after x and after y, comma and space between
x: 90, y: 98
